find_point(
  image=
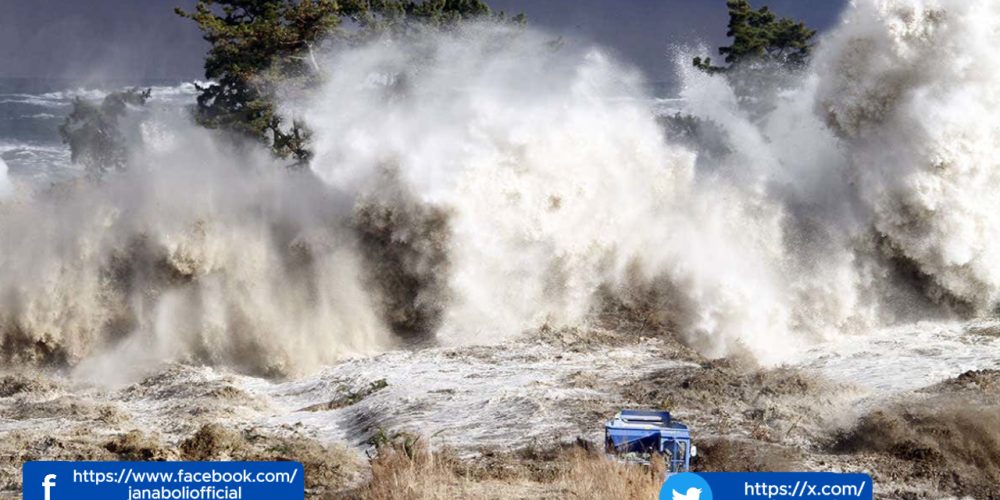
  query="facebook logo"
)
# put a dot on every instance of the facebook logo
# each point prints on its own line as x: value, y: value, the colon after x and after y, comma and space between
x: 176, y: 480
x: 47, y: 484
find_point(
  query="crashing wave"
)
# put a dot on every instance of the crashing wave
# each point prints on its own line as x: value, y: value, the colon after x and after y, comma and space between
x: 912, y: 90
x: 468, y: 186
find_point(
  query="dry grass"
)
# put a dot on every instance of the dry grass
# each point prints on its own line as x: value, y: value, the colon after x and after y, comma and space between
x: 410, y: 471
x: 407, y: 470
x: 330, y: 470
x: 591, y: 475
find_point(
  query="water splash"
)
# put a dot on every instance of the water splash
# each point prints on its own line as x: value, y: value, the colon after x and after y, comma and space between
x: 471, y: 185
x: 559, y: 186
x: 912, y: 90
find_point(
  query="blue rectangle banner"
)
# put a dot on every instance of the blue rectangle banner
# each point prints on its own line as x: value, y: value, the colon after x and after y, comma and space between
x: 767, y: 485
x: 163, y: 480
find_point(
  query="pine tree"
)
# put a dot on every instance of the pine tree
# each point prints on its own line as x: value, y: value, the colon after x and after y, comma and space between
x: 761, y: 38
x: 259, y: 46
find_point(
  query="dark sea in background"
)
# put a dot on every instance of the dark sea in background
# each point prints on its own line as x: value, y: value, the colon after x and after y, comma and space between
x: 32, y: 109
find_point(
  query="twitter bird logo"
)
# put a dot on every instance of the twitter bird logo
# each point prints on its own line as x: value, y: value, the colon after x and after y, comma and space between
x: 692, y: 494
x: 693, y: 486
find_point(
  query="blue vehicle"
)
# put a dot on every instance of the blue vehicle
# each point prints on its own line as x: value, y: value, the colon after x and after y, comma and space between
x: 637, y: 434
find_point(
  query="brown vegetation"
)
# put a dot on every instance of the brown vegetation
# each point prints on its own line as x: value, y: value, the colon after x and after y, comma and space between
x: 329, y: 470
x: 408, y: 469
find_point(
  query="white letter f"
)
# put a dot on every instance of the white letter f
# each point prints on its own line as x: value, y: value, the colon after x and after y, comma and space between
x: 48, y: 483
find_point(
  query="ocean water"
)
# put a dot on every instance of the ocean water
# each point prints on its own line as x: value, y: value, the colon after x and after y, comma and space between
x: 32, y: 109
x: 467, y: 188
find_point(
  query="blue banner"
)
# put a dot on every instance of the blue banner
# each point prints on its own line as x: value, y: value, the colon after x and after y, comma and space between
x: 766, y: 485
x: 163, y: 480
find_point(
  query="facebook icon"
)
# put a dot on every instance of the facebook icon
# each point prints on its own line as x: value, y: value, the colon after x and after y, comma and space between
x: 48, y: 483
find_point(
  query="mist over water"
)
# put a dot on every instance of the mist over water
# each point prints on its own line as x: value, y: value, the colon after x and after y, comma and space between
x: 468, y: 186
x: 5, y: 186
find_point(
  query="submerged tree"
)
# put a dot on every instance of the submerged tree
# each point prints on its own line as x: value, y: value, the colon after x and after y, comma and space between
x: 93, y: 134
x: 760, y: 37
x: 259, y: 46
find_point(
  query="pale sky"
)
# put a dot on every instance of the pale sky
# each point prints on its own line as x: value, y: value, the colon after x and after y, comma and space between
x: 143, y: 39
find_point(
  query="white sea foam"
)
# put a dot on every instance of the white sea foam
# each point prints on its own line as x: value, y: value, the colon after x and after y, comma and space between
x: 912, y: 89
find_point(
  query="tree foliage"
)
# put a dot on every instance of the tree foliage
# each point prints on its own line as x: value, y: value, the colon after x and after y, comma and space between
x: 259, y: 46
x: 759, y: 36
x: 93, y: 134
x: 380, y: 16
x: 256, y: 44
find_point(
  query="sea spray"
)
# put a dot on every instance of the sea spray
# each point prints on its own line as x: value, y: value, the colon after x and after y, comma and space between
x: 478, y: 183
x: 912, y: 88
x: 559, y: 185
x: 199, y: 253
x: 523, y: 149
x: 786, y: 162
x: 470, y: 185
